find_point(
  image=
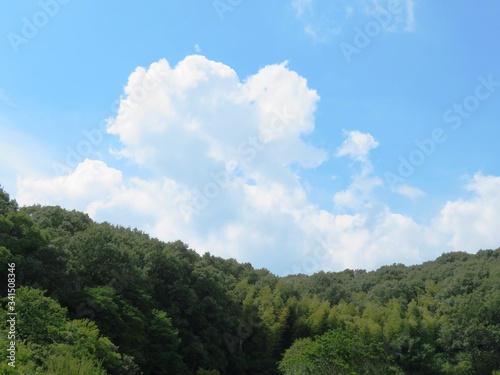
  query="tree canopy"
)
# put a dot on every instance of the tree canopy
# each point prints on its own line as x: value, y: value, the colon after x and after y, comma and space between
x: 94, y: 298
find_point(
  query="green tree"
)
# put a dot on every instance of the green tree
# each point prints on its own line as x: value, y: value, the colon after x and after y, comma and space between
x: 299, y: 358
x: 7, y: 205
x: 337, y: 352
x: 42, y: 318
x: 163, y: 346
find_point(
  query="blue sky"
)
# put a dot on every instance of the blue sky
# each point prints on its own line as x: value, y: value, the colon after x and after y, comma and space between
x: 297, y: 135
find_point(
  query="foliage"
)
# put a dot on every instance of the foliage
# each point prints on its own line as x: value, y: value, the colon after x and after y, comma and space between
x: 100, y: 299
x: 338, y: 351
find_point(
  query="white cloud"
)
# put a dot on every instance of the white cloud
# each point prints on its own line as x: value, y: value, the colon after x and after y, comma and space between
x: 225, y: 157
x: 104, y: 194
x: 357, y: 146
x: 409, y: 191
x: 473, y: 224
x: 359, y: 192
x: 201, y: 106
x: 92, y: 180
x: 220, y: 151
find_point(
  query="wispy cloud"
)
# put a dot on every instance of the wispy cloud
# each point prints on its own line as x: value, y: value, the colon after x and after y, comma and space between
x: 323, y: 20
x: 400, y: 15
x: 409, y: 191
x: 359, y: 193
x: 301, y: 5
x: 410, y: 15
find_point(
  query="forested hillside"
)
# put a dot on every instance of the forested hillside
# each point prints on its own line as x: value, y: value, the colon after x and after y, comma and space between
x: 94, y: 298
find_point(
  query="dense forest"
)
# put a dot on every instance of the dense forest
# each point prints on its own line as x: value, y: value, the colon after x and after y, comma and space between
x: 94, y: 298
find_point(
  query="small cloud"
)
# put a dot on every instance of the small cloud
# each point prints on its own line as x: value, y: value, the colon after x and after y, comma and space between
x: 320, y: 35
x: 359, y: 193
x: 320, y: 20
x: 300, y: 6
x: 410, y: 15
x: 409, y: 191
x: 357, y: 145
x: 197, y: 48
x: 310, y: 31
x: 400, y: 15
